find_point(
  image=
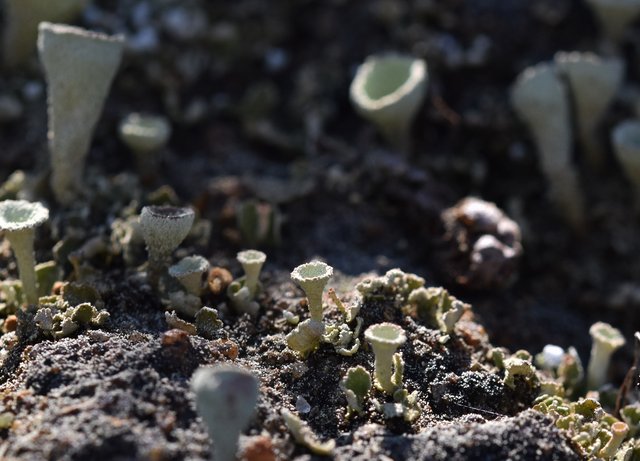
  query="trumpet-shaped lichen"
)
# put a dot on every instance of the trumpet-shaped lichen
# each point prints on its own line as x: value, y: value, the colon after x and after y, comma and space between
x: 388, y: 91
x: 163, y: 229
x: 242, y: 291
x: 606, y: 339
x: 79, y: 66
x: 226, y: 397
x: 18, y: 219
x: 385, y: 339
x: 313, y: 278
x: 189, y: 272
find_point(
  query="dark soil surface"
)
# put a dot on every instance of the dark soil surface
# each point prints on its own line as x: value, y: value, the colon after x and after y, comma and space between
x: 257, y: 95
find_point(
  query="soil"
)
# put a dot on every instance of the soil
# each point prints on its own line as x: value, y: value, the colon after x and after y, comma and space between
x: 257, y: 95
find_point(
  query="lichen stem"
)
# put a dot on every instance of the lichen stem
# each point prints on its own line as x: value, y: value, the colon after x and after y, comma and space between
x: 22, y: 245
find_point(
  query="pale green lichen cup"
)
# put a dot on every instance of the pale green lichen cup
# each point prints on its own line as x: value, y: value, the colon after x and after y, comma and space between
x: 388, y: 91
x: 606, y: 340
x: 144, y: 133
x: 385, y: 339
x: 313, y: 277
x: 252, y: 262
x: 189, y: 272
x: 19, y: 219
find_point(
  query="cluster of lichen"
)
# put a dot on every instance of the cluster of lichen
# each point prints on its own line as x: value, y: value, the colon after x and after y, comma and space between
x: 394, y: 285
x: 598, y: 434
x: 392, y: 106
x: 406, y: 292
x: 61, y: 315
x: 554, y: 374
x: 307, y: 335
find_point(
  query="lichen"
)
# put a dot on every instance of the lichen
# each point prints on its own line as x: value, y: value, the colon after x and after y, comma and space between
x: 585, y: 422
x: 57, y: 318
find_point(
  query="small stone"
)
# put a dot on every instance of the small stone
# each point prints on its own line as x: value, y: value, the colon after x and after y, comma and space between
x: 298, y: 369
x: 302, y: 406
x: 97, y: 336
x: 10, y: 324
x: 226, y: 348
x: 218, y: 280
x: 258, y: 448
x: 175, y: 338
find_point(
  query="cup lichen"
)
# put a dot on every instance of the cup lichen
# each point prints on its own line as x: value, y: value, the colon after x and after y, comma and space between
x: 226, y: 397
x: 313, y: 278
x: 79, y: 67
x: 18, y: 220
x: 144, y: 133
x: 388, y: 91
x: 163, y: 229
x: 615, y: 15
x: 606, y: 339
x: 619, y: 431
x: 189, y: 271
x: 252, y: 262
x: 541, y: 100
x: 385, y: 338
x: 594, y: 82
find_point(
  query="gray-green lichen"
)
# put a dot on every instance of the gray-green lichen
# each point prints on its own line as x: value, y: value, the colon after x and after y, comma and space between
x: 259, y: 223
x: 395, y: 284
x: 57, y: 318
x: 356, y: 385
x: 596, y: 433
x: 207, y: 322
x: 303, y: 434
x: 437, y: 308
x: 79, y: 66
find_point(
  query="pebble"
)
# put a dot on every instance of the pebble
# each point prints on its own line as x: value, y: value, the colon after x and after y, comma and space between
x: 302, y: 406
x: 552, y: 355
